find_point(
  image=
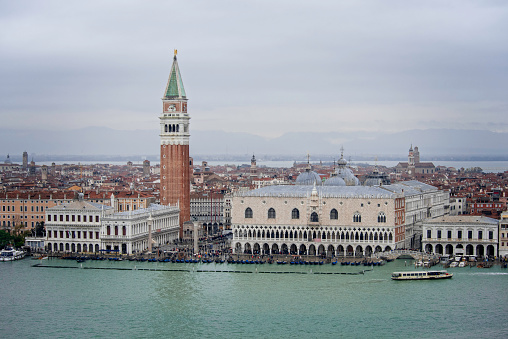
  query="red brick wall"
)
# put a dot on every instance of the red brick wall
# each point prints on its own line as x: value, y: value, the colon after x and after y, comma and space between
x: 175, y: 184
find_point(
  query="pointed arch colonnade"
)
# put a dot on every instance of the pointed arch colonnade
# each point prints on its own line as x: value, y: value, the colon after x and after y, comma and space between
x: 294, y: 240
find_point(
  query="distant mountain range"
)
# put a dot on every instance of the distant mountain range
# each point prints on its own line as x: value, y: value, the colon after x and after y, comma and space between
x: 113, y: 144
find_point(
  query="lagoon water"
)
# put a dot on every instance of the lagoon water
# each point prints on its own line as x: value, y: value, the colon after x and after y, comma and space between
x: 194, y: 301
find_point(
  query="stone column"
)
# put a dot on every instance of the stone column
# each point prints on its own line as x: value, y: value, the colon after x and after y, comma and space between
x: 150, y: 222
x: 196, y: 236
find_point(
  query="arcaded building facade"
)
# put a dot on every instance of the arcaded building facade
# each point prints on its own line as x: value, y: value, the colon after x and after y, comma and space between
x: 334, y: 218
x: 133, y: 231
x: 317, y: 220
x: 461, y: 235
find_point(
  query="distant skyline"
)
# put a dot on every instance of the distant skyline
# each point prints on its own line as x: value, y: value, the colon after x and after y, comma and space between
x: 264, y: 68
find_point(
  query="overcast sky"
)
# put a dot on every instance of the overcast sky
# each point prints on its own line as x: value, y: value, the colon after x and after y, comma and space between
x: 263, y: 67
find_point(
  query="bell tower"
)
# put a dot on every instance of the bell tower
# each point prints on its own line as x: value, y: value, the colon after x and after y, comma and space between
x: 174, y: 134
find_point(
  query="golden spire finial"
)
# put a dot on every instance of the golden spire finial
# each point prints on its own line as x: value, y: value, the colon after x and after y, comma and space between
x: 176, y: 52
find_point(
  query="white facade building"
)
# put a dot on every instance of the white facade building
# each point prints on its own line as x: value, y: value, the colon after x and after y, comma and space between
x: 461, y: 235
x: 82, y: 226
x: 75, y: 227
x: 330, y: 220
x: 131, y: 232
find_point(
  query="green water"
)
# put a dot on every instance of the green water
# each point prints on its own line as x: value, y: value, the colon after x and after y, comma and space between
x: 88, y: 303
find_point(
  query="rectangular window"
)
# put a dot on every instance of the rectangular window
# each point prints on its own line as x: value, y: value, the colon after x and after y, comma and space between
x: 32, y: 208
x: 439, y: 234
x: 429, y: 234
x: 470, y: 234
x: 491, y: 235
x: 67, y: 217
x: 84, y: 234
x: 449, y: 234
x: 79, y: 218
x: 96, y: 235
x: 96, y: 218
x: 73, y: 217
x: 73, y: 234
x: 49, y: 217
x: 21, y: 208
x: 79, y: 234
x: 61, y: 234
x: 49, y: 234
x: 61, y: 217
x: 459, y: 234
x: 36, y: 208
x: 480, y: 234
x: 91, y: 235
x: 84, y: 218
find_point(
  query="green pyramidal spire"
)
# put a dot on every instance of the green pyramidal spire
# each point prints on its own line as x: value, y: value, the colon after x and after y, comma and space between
x: 174, y: 89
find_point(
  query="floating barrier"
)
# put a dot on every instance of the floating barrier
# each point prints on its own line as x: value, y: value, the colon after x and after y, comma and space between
x: 135, y: 268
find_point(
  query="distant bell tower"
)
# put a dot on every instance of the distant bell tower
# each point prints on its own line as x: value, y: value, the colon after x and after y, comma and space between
x: 175, y: 161
x: 411, y: 161
x: 25, y: 160
x: 253, y: 167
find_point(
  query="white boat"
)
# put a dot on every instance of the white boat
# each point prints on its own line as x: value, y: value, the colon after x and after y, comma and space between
x: 462, y: 264
x: 421, y: 275
x: 454, y: 264
x: 9, y: 254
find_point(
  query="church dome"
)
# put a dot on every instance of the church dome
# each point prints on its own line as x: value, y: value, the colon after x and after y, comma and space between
x: 345, y: 173
x: 334, y: 181
x: 308, y: 178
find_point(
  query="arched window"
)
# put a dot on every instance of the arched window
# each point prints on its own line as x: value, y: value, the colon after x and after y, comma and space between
x: 295, y: 214
x: 334, y: 215
x: 381, y: 217
x: 314, y: 217
x: 248, y: 212
x: 357, y: 217
x: 108, y: 230
x: 124, y: 230
x: 271, y: 213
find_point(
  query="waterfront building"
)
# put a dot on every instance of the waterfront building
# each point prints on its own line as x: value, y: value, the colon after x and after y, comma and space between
x: 338, y: 217
x: 461, y: 235
x: 174, y: 140
x: 317, y: 220
x: 138, y: 230
x: 75, y: 226
x: 82, y: 226
x: 503, y: 235
x: 422, y: 201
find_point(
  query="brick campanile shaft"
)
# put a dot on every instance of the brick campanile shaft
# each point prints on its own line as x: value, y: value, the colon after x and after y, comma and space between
x: 175, y: 161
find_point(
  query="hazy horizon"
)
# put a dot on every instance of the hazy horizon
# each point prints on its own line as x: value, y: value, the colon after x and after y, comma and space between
x: 261, y: 68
